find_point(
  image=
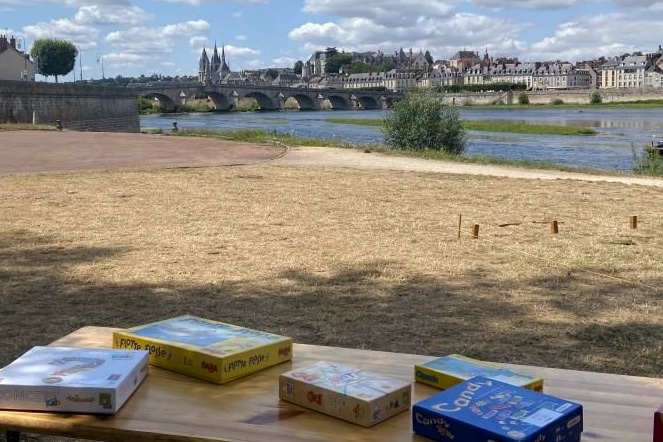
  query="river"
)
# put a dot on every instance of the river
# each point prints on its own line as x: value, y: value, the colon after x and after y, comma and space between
x: 619, y: 131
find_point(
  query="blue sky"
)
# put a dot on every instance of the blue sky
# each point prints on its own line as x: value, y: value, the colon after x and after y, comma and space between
x: 166, y: 37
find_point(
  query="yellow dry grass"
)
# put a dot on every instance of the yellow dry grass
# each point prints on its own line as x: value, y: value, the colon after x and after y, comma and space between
x: 365, y: 259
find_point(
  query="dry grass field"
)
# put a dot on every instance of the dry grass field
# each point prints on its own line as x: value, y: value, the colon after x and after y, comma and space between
x: 350, y: 258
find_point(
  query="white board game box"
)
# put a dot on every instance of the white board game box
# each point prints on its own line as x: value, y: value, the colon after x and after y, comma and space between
x: 72, y: 380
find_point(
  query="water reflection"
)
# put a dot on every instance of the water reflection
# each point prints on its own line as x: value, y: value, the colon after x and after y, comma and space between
x: 620, y: 131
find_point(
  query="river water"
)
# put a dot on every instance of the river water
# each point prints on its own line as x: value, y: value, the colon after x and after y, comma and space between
x: 619, y: 131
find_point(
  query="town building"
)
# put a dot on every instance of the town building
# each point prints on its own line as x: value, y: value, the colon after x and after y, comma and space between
x: 14, y: 64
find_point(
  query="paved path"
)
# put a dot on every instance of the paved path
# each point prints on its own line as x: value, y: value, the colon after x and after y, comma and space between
x: 50, y: 151
x: 42, y: 151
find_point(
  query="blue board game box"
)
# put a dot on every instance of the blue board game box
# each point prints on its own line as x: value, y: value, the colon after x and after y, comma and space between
x: 483, y: 409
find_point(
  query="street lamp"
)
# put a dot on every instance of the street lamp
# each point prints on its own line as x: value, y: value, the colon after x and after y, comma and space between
x: 100, y: 58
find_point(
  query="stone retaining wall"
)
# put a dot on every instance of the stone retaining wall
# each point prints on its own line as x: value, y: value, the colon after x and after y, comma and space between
x: 77, y: 107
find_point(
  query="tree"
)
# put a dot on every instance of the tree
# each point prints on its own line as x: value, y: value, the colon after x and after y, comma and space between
x: 523, y: 98
x: 429, y: 57
x: 336, y: 62
x: 271, y: 74
x: 421, y: 122
x: 330, y: 52
x: 299, y: 65
x: 596, y: 98
x: 54, y: 56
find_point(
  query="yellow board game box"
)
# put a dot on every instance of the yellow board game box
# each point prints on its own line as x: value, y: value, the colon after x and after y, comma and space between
x: 451, y: 370
x: 205, y: 349
x: 348, y: 393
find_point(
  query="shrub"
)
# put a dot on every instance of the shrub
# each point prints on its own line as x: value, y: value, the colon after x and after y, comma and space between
x: 421, y: 122
x: 523, y: 98
x: 650, y: 162
x: 596, y: 98
x: 557, y: 101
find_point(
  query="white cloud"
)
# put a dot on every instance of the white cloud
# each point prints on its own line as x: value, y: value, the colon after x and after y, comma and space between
x: 198, y: 41
x: 284, y: 61
x: 460, y: 31
x: 198, y: 2
x: 526, y: 4
x: 237, y: 14
x: 240, y: 37
x: 386, y: 12
x: 240, y: 52
x: 602, y: 35
x: 104, y: 15
x: 83, y: 36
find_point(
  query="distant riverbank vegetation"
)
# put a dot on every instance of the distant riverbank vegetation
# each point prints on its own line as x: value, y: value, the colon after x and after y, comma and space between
x: 491, y: 126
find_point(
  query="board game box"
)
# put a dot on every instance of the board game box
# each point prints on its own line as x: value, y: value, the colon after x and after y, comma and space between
x: 348, y: 393
x: 658, y: 425
x: 205, y: 349
x: 483, y: 409
x: 73, y: 380
x: 451, y: 370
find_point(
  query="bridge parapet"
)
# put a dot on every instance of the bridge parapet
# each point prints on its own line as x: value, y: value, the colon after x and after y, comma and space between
x: 269, y: 97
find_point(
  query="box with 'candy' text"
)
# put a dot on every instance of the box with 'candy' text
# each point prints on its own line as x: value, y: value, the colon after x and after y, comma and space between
x: 483, y: 409
x: 451, y: 370
x: 206, y: 349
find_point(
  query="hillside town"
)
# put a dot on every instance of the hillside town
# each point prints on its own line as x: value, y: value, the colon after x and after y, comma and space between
x: 408, y: 69
x: 403, y: 70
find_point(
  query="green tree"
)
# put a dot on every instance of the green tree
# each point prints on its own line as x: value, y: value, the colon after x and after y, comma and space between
x: 272, y: 74
x: 387, y: 66
x: 523, y: 98
x: 336, y: 62
x: 429, y: 57
x: 299, y: 65
x: 421, y: 122
x: 330, y: 52
x: 54, y: 56
x: 359, y: 67
x: 596, y: 98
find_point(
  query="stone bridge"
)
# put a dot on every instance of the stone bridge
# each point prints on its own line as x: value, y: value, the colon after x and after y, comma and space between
x: 226, y: 96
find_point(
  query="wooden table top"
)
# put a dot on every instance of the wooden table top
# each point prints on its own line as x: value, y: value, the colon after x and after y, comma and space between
x: 173, y: 407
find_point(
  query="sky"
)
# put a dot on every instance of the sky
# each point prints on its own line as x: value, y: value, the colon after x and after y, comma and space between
x: 146, y: 37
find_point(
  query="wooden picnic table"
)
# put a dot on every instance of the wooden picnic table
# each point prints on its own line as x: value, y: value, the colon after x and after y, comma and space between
x: 172, y: 407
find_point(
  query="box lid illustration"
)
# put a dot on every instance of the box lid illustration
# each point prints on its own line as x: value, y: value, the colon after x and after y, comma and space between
x: 206, y: 349
x: 69, y: 379
x: 451, y: 370
x: 486, y: 409
x: 345, y: 392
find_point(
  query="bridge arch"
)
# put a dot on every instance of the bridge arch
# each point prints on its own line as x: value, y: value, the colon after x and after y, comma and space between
x: 368, y: 102
x: 221, y: 101
x: 264, y: 101
x: 165, y: 102
x: 305, y: 102
x: 339, y: 102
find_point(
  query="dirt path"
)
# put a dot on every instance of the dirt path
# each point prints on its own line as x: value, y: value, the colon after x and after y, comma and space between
x: 44, y: 151
x: 329, y: 157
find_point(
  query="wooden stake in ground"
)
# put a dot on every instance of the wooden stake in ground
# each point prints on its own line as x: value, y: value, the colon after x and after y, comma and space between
x: 554, y: 227
x: 633, y: 222
x: 460, y: 220
x: 475, y: 231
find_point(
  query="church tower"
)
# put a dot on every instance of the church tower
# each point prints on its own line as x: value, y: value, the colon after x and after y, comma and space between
x: 215, y: 63
x: 203, y: 67
x: 224, y: 69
